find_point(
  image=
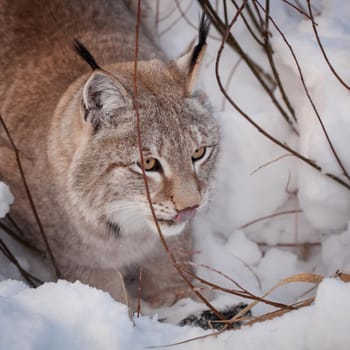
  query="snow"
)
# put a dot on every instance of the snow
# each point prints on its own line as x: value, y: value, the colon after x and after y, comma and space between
x: 67, y: 315
x: 255, y: 179
x: 328, y: 329
x: 6, y: 199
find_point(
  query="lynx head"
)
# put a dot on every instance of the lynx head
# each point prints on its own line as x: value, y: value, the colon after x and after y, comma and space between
x: 179, y: 144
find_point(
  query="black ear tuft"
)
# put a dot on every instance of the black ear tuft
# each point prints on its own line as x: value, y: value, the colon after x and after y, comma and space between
x: 203, y: 32
x: 85, y: 54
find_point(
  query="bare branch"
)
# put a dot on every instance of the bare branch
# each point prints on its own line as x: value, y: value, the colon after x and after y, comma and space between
x: 172, y: 24
x: 285, y: 212
x: 187, y: 20
x: 300, y: 10
x: 228, y: 82
x: 290, y: 245
x: 257, y: 126
x: 32, y: 280
x: 269, y: 54
x: 263, y: 78
x: 340, y: 163
x: 30, y: 198
x: 271, y: 162
x: 241, y: 294
x: 322, y: 48
x: 18, y: 238
x: 250, y: 29
x: 13, y: 222
x: 142, y: 162
x: 139, y: 293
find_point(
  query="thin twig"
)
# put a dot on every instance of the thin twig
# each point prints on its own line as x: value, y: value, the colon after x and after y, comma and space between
x: 18, y: 238
x: 269, y: 54
x: 183, y: 14
x: 167, y: 15
x: 30, y: 198
x: 286, y: 212
x: 261, y: 21
x: 215, y: 333
x: 13, y: 222
x: 157, y: 16
x: 246, y: 23
x: 238, y: 293
x: 322, y: 48
x: 228, y: 277
x: 172, y: 24
x: 297, y: 8
x: 257, y: 126
x: 280, y: 312
x: 228, y: 81
x: 255, y: 68
x: 220, y: 273
x: 225, y: 13
x: 139, y: 293
x: 271, y: 162
x: 32, y: 280
x: 290, y: 245
x: 340, y: 163
x: 139, y: 139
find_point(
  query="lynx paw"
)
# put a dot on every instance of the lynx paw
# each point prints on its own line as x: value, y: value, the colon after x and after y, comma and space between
x: 206, y: 319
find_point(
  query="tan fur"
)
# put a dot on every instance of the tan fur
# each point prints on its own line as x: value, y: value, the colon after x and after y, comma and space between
x: 83, y: 173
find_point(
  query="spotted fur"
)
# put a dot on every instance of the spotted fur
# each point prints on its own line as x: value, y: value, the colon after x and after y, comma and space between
x: 75, y: 130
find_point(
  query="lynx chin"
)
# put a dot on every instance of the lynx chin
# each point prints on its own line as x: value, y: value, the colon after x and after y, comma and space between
x: 75, y: 128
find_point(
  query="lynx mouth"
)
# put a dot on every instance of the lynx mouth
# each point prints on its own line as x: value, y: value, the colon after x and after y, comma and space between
x: 169, y: 227
x: 180, y: 218
x: 169, y: 222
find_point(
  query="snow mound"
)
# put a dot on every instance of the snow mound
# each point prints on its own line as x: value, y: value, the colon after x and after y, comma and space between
x: 67, y: 315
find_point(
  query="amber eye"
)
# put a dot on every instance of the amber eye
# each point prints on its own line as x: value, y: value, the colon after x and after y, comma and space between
x: 199, y: 153
x: 151, y: 164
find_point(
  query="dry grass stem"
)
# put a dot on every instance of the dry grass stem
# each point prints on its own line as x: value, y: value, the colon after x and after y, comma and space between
x: 242, y: 294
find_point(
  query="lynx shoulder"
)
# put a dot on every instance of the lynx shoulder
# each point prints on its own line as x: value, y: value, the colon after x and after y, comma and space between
x: 75, y: 128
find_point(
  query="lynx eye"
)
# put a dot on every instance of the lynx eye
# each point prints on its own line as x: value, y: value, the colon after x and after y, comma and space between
x: 199, y: 153
x: 151, y: 164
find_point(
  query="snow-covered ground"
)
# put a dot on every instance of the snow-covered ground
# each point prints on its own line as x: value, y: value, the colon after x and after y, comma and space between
x: 255, y: 179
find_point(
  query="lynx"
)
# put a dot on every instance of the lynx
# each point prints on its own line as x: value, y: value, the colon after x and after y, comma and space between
x: 75, y: 129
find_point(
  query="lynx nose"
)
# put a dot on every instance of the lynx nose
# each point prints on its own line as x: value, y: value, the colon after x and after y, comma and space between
x: 185, y: 214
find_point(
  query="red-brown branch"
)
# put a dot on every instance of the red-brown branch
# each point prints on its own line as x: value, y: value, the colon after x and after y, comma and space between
x: 340, y: 163
x: 257, y: 126
x: 322, y: 48
x: 30, y: 198
x: 142, y: 162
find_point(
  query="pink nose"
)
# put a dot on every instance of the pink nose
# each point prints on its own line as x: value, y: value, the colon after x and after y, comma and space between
x: 185, y: 214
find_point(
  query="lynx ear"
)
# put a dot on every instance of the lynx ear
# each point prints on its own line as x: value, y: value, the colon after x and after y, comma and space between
x: 190, y: 62
x: 102, y: 96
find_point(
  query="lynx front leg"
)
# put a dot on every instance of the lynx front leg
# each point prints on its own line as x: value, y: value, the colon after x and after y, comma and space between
x: 162, y: 285
x: 109, y: 280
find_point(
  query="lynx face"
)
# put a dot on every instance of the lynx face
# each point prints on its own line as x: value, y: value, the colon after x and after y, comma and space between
x: 179, y: 143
